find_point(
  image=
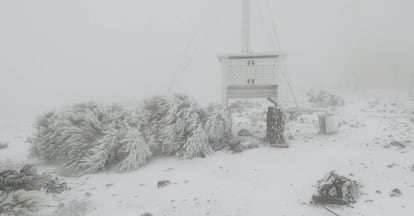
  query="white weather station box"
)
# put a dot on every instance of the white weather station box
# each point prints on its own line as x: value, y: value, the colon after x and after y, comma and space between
x: 249, y: 74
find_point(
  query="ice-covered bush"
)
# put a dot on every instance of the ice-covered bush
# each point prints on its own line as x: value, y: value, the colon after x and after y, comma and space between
x: 90, y: 137
x: 218, y: 126
x: 324, y: 99
x: 240, y: 106
x: 21, y: 202
x: 174, y: 125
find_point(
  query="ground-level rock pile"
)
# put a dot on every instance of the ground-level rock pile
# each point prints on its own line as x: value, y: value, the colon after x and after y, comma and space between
x: 335, y: 189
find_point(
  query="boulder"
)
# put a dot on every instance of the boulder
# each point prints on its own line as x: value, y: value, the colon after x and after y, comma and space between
x: 3, y: 145
x: 335, y: 189
x: 396, y: 192
x: 244, y: 132
x: 163, y: 183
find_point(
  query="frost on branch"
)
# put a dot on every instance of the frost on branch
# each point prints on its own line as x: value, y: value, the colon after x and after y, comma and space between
x: 173, y: 125
x: 218, y: 125
x: 85, y: 138
x: 90, y: 137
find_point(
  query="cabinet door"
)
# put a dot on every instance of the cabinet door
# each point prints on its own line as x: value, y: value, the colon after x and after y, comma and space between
x: 238, y: 72
x: 264, y: 71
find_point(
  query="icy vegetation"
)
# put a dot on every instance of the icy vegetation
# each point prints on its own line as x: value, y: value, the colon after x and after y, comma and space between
x: 20, y: 202
x: 373, y: 146
x: 324, y: 99
x: 91, y: 137
x: 23, y: 192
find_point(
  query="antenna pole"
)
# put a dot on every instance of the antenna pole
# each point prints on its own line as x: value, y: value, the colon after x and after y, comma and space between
x: 245, y: 26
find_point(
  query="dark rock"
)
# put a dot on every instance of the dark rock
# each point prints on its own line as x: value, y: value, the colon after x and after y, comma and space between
x: 146, y: 214
x: 396, y: 192
x: 398, y: 144
x: 336, y: 189
x: 235, y: 141
x: 3, y: 145
x: 163, y: 183
x: 392, y: 165
x: 244, y: 132
x: 234, y: 145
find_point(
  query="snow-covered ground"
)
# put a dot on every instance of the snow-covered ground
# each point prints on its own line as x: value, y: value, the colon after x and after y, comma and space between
x: 374, y: 145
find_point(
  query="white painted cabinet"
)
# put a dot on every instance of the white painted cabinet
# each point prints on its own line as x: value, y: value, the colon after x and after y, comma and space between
x: 249, y: 76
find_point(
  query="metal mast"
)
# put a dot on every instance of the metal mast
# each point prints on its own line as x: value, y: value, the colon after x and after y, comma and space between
x: 245, y: 26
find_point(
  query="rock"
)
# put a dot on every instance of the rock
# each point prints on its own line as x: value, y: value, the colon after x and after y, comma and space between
x: 3, y: 145
x: 244, y: 132
x: 235, y: 141
x: 396, y: 192
x: 336, y: 189
x: 234, y: 145
x: 146, y: 214
x: 163, y: 183
x: 392, y: 165
x: 398, y: 144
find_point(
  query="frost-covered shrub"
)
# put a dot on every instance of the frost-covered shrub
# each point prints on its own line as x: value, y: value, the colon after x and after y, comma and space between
x: 21, y: 202
x: 240, y: 106
x: 73, y: 208
x: 89, y: 138
x: 173, y: 125
x: 218, y: 125
x: 324, y: 99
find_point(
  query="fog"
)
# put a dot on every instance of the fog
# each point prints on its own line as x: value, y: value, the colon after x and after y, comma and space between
x: 54, y: 53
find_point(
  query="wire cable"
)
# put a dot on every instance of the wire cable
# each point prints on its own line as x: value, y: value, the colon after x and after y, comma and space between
x: 284, y: 65
x: 188, y: 48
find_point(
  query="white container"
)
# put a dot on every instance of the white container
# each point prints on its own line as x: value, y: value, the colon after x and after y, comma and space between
x: 327, y: 124
x: 250, y: 75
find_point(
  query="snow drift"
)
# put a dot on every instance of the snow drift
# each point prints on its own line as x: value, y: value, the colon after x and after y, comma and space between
x: 91, y: 137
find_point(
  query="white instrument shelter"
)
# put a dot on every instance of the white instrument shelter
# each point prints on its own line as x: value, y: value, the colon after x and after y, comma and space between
x: 250, y: 75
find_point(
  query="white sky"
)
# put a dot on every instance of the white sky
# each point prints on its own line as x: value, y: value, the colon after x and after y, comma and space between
x: 55, y: 52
